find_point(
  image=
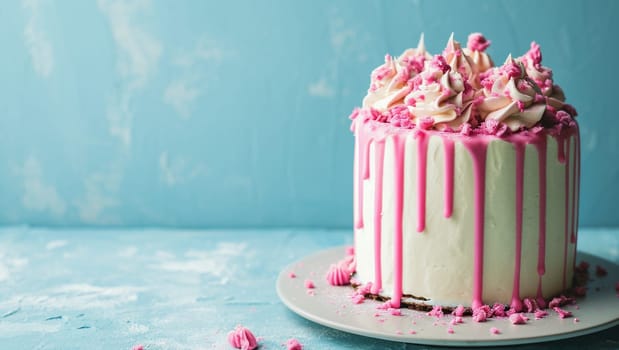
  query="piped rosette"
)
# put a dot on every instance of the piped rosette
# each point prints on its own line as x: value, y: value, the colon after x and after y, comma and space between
x: 511, y: 97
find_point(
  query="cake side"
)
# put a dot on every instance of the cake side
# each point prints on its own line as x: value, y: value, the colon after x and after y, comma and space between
x: 437, y: 262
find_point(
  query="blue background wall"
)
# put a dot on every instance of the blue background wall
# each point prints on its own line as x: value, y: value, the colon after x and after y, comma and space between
x: 234, y: 113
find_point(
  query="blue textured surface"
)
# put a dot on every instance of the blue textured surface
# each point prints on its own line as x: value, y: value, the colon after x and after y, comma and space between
x: 165, y: 289
x: 233, y: 113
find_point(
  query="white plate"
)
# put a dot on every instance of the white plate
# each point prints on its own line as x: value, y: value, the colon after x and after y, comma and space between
x: 332, y: 307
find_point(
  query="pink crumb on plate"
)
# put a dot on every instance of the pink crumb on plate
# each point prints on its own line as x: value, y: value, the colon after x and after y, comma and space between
x: 395, y: 312
x: 293, y: 344
x: 309, y: 284
x: 518, y: 318
x: 562, y: 313
x: 138, y: 347
x: 242, y: 338
x: 494, y: 330
x: 437, y: 311
x: 292, y: 275
x: 539, y: 314
x: 450, y: 330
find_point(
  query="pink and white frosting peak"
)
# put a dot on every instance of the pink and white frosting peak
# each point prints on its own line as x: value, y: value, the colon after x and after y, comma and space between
x: 460, y: 90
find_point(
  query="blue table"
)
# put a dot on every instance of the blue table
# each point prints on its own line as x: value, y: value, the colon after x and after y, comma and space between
x: 178, y: 289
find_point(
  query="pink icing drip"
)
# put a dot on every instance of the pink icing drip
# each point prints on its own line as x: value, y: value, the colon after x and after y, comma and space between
x: 448, y: 145
x: 422, y: 159
x: 379, y: 157
x: 398, y: 145
x: 541, y: 145
x: 574, y: 169
x: 363, y: 172
x: 477, y: 149
x: 516, y: 303
x: 566, y: 147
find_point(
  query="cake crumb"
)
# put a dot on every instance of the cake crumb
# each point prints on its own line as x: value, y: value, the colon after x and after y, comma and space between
x: 494, y: 330
x: 395, y: 312
x: 292, y: 275
x: 450, y: 330
x: 412, y: 332
x: 138, y: 347
x: 562, y: 313
x: 309, y: 284
x: 576, y: 320
x: 456, y: 320
x: 518, y: 318
x: 293, y: 344
x: 458, y: 311
x: 437, y: 311
x: 539, y: 314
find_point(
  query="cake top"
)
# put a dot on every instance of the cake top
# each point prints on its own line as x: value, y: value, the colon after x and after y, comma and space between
x: 461, y: 90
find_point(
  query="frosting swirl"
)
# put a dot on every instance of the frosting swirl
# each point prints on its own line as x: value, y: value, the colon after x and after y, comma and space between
x: 460, y: 90
x: 511, y: 97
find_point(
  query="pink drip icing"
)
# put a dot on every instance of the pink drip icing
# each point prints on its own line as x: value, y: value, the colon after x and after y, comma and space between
x: 577, y: 192
x: 363, y: 171
x: 398, y: 151
x: 448, y: 146
x: 574, y: 168
x: 565, y: 142
x: 516, y: 303
x: 477, y: 149
x: 541, y: 146
x: 422, y: 159
x: 379, y: 157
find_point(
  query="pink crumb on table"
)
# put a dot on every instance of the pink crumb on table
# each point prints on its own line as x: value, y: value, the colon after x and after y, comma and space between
x: 242, y: 338
x: 518, y: 318
x: 138, y: 347
x: 494, y: 330
x: 293, y: 344
x: 309, y: 284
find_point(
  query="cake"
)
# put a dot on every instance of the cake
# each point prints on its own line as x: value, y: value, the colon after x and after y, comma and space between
x: 466, y: 180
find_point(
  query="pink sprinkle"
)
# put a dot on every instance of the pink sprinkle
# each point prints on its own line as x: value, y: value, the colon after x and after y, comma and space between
x: 494, y: 330
x: 534, y: 54
x: 600, y: 271
x: 450, y: 330
x: 350, y: 250
x: 292, y: 275
x: 456, y: 320
x: 293, y: 344
x: 426, y: 123
x: 539, y: 314
x: 439, y: 63
x: 498, y: 310
x: 479, y: 315
x: 309, y: 284
x: 138, y: 347
x: 562, y: 313
x: 530, y: 305
x: 437, y: 311
x: 242, y: 338
x: 357, y: 298
x: 518, y: 318
x: 477, y: 42
x: 458, y: 311
x: 395, y: 312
